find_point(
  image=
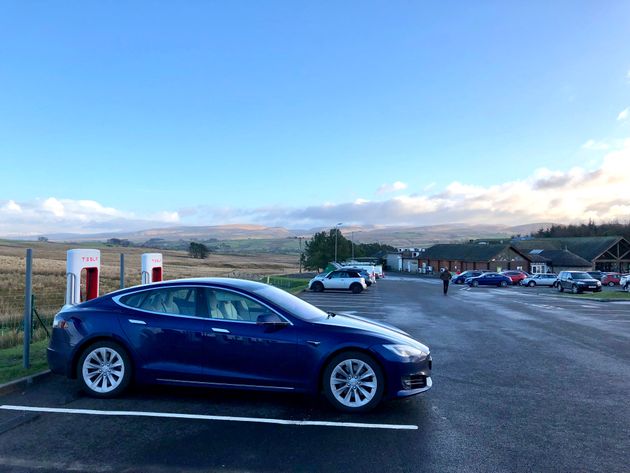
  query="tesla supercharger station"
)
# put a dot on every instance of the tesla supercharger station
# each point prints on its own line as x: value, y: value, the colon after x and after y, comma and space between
x: 80, y: 263
x: 151, y: 268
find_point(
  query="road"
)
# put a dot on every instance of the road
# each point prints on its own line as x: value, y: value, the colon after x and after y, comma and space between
x: 523, y: 381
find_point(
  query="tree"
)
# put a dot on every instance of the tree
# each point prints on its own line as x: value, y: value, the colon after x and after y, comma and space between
x: 320, y: 250
x: 198, y: 250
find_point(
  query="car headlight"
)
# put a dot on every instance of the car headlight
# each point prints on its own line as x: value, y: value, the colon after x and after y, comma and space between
x: 407, y: 352
x: 599, y: 283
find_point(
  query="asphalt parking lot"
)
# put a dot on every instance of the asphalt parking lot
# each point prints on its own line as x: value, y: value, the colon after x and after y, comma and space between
x: 524, y: 380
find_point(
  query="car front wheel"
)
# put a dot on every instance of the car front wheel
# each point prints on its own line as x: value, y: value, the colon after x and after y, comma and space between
x: 503, y: 283
x: 353, y: 382
x: 104, y: 369
x: 560, y: 288
x: 531, y: 283
x: 574, y: 289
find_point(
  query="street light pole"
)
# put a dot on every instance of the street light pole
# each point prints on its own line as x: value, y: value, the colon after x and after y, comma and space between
x: 352, y: 240
x: 336, y: 234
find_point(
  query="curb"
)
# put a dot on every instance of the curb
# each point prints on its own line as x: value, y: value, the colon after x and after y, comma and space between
x: 21, y: 383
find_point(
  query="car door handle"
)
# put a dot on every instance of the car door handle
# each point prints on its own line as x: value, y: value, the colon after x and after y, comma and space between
x: 137, y: 322
x: 220, y: 330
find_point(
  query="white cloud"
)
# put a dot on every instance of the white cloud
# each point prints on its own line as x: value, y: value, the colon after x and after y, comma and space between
x: 623, y: 114
x: 11, y: 207
x: 595, y: 145
x: 394, y: 187
x: 53, y: 215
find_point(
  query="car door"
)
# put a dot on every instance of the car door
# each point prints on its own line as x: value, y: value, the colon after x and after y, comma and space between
x: 252, y: 347
x: 337, y: 280
x: 163, y: 330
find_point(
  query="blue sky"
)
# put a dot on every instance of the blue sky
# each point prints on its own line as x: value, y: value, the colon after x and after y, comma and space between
x: 308, y: 113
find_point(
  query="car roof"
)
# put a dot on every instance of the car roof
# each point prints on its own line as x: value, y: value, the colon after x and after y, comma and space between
x: 243, y: 284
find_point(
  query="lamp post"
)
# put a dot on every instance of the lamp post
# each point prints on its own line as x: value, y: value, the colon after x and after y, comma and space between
x: 336, y: 234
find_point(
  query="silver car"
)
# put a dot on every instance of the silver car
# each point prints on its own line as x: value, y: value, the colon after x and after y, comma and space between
x: 546, y: 279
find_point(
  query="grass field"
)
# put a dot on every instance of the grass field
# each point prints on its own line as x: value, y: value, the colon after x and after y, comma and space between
x: 49, y: 275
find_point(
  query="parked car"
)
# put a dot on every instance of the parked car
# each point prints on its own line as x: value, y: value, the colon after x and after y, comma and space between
x: 515, y: 276
x: 596, y: 274
x: 489, y: 279
x: 369, y: 278
x: 624, y: 282
x: 577, y: 281
x: 611, y: 279
x: 540, y: 279
x: 461, y: 278
x: 342, y: 279
x: 230, y: 333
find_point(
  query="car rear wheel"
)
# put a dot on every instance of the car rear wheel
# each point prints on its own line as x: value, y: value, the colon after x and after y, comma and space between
x: 317, y: 287
x: 475, y: 284
x: 353, y: 382
x: 503, y: 283
x: 356, y: 288
x: 104, y: 369
x: 531, y: 283
x: 611, y: 284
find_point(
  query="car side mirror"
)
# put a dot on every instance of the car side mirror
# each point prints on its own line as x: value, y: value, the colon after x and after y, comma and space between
x: 271, y: 319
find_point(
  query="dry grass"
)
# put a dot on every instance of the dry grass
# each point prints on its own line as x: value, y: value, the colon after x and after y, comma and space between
x: 49, y: 279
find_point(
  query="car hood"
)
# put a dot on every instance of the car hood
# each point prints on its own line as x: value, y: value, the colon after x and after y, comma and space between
x: 387, y: 331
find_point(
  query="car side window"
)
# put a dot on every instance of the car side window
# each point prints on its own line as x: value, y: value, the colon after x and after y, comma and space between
x: 228, y: 305
x: 180, y: 300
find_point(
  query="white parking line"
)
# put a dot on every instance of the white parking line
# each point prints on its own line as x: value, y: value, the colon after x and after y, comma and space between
x: 173, y: 415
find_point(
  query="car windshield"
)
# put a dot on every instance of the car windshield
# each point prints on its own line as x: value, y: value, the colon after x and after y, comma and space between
x: 581, y: 276
x: 296, y: 306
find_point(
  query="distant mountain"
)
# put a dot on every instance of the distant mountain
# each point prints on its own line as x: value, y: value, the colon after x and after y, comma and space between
x: 406, y: 236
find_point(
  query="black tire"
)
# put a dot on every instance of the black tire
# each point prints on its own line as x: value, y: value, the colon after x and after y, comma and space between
x: 611, y: 284
x: 317, y: 286
x: 356, y: 288
x: 503, y: 284
x: 475, y: 284
x: 354, y: 358
x: 560, y: 288
x: 531, y: 283
x: 112, y: 354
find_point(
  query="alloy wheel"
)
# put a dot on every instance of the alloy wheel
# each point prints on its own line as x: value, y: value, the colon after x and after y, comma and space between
x: 353, y: 383
x: 103, y: 370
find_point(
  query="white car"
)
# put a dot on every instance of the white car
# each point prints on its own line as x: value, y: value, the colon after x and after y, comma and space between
x: 347, y: 279
x: 541, y: 279
x: 624, y: 282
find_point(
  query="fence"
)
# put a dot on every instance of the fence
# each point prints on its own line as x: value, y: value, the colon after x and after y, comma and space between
x: 288, y: 284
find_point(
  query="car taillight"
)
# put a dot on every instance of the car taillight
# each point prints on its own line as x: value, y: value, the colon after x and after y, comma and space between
x: 59, y: 322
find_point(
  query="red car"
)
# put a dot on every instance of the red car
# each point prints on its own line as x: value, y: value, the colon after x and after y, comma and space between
x: 611, y: 279
x: 515, y: 276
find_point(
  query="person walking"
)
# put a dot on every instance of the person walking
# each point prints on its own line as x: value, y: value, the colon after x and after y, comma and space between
x: 445, y: 276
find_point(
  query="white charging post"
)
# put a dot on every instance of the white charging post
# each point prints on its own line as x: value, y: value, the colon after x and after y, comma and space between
x: 151, y: 268
x: 78, y: 263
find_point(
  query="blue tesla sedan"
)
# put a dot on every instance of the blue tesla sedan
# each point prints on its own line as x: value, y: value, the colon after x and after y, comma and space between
x: 489, y: 279
x: 230, y: 333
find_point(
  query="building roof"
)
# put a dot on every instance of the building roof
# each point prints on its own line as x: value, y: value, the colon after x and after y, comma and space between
x: 564, y: 258
x: 469, y: 252
x: 588, y: 248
